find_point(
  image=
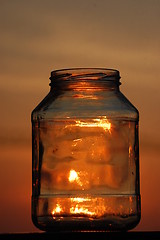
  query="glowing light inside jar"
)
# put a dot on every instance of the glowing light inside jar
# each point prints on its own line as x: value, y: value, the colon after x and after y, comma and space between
x: 58, y: 209
x: 81, y: 210
x: 73, y: 176
x: 93, y: 207
x: 79, y: 178
x: 80, y: 199
x: 89, y: 161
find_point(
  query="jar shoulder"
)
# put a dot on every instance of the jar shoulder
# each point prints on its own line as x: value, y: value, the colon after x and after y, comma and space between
x: 41, y: 108
x: 128, y: 106
x: 82, y: 105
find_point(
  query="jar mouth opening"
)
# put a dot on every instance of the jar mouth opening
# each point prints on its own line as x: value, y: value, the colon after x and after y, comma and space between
x: 87, y: 74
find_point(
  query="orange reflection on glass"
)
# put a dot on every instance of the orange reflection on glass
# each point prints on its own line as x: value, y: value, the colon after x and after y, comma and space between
x: 130, y: 151
x: 98, y: 122
x: 93, y: 207
x: 76, y: 141
x: 93, y: 97
x: 83, y: 206
x: 81, y: 210
x: 80, y: 199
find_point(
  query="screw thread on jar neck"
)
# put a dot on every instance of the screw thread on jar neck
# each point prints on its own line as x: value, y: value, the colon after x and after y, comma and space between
x: 85, y: 78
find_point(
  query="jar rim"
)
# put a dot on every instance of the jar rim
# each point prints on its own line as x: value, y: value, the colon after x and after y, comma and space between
x: 89, y: 73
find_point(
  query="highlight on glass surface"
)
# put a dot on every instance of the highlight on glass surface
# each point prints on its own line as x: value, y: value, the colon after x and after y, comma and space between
x: 85, y: 154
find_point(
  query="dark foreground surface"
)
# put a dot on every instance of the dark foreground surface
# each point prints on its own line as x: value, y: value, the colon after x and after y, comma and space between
x: 85, y: 235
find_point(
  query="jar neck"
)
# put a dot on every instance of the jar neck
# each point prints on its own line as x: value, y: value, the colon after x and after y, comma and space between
x: 83, y: 79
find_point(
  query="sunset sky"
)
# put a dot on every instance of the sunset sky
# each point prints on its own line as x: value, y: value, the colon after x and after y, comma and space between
x: 39, y: 36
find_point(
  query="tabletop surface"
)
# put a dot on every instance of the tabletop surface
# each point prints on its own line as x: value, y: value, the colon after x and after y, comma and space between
x: 85, y: 235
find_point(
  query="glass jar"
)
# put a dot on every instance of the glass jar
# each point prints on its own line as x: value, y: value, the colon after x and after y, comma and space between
x: 85, y: 155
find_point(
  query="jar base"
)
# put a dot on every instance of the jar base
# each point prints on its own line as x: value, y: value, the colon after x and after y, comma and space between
x: 107, y: 213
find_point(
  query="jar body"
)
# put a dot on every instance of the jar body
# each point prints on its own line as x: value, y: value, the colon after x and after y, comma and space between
x: 85, y: 162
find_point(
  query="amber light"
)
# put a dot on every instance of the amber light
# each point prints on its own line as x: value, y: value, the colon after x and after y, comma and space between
x: 84, y: 206
x: 57, y: 209
x: 78, y: 206
x: 103, y: 123
x: 92, y: 207
x: 73, y: 176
